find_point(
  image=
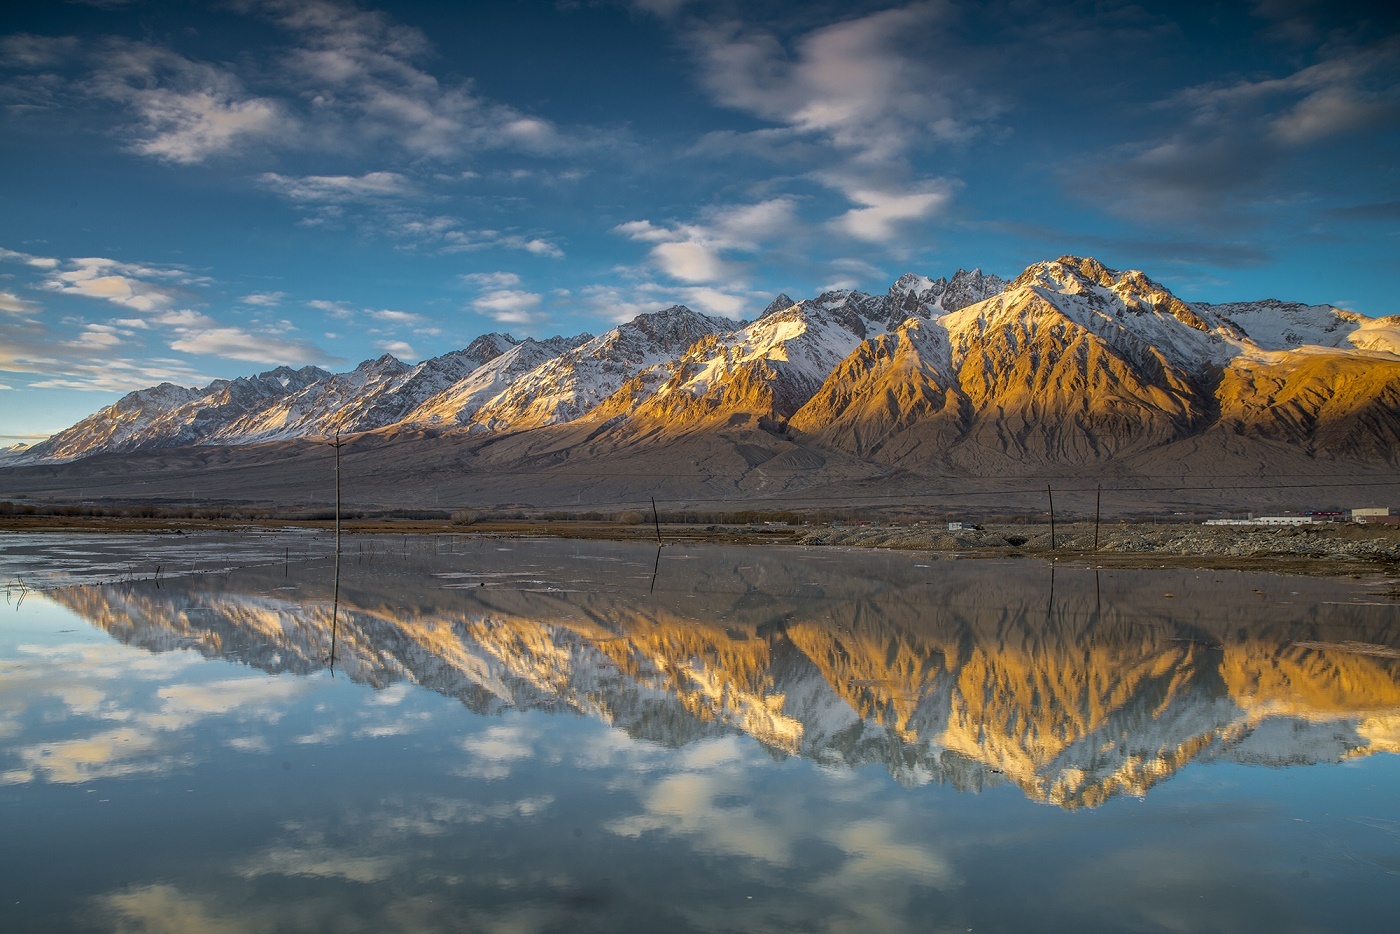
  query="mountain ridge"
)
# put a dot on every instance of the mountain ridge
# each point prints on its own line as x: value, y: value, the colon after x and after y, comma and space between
x: 1070, y: 364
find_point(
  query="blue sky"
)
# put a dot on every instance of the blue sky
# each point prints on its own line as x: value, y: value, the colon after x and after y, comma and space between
x: 200, y: 190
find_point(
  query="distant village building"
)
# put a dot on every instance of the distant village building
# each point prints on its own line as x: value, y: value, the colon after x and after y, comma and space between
x: 1266, y: 520
x: 1369, y: 512
x: 955, y: 526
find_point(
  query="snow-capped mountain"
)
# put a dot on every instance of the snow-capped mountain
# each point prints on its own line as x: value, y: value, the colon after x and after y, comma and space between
x: 173, y: 416
x: 574, y: 383
x: 913, y: 295
x: 456, y: 405
x: 767, y: 369
x: 1070, y: 363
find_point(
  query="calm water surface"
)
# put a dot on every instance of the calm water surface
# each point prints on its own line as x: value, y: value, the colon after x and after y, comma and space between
x: 484, y: 735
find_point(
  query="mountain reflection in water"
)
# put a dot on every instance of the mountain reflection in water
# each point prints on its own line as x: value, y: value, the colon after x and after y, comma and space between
x: 1074, y: 684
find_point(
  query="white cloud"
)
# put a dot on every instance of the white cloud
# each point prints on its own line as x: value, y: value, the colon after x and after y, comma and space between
x: 235, y: 343
x: 860, y: 83
x: 189, y: 111
x: 10, y: 303
x: 359, y: 70
x: 717, y: 302
x: 886, y: 212
x: 98, y: 337
x: 196, y: 333
x: 337, y: 309
x: 855, y: 99
x: 352, y: 79
x: 397, y: 317
x: 492, y: 280
x: 339, y: 188
x: 689, y: 261
x: 264, y: 299
x: 24, y: 50
x: 399, y: 349
x: 692, y: 253
x: 510, y: 306
x: 39, y: 262
x: 624, y: 304
x: 536, y: 246
x: 1233, y: 144
x: 122, y: 283
x: 451, y: 238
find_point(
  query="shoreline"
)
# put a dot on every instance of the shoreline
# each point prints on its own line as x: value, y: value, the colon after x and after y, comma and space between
x: 1323, y: 549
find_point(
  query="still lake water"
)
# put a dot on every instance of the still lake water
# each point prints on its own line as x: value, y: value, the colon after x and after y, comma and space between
x: 488, y: 735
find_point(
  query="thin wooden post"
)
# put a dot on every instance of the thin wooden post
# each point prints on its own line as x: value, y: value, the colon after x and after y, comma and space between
x: 655, y: 517
x: 1098, y: 498
x: 1052, y: 516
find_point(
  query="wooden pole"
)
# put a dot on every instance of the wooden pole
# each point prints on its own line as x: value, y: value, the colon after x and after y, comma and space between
x: 1052, y: 516
x: 655, y: 517
x: 337, y: 444
x: 1098, y: 498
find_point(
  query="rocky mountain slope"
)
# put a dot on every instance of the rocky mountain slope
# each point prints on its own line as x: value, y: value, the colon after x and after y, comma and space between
x: 1069, y: 365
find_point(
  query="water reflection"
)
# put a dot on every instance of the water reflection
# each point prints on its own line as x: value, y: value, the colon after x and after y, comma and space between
x: 1076, y: 685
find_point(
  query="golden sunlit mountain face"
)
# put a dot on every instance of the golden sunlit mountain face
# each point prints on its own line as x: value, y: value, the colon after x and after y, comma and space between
x: 1076, y: 685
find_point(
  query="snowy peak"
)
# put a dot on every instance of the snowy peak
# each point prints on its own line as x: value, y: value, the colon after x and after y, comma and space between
x: 781, y: 303
x: 671, y: 330
x: 967, y: 288
x: 387, y: 365
x: 457, y: 404
x: 489, y: 346
x: 919, y: 296
x: 576, y: 382
x: 1276, y: 325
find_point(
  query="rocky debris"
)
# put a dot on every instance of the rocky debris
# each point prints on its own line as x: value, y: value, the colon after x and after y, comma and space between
x: 1340, y: 542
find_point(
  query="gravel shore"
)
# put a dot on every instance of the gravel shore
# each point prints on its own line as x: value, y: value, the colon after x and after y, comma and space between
x: 1339, y: 542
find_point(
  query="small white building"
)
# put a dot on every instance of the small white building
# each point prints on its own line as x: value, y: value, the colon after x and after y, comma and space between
x: 955, y: 526
x: 1265, y: 520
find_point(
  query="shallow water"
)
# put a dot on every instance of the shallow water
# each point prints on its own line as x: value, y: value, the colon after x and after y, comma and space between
x: 478, y: 734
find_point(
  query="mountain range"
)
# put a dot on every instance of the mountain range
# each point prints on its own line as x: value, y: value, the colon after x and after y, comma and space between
x: 1070, y: 367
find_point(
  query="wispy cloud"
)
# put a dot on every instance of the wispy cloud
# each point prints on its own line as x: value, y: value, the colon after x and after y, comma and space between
x: 98, y: 358
x: 346, y: 79
x: 120, y: 353
x: 399, y: 349
x: 856, y: 99
x: 264, y: 299
x: 335, y: 189
x: 886, y: 212
x: 360, y: 70
x: 694, y: 252
x: 187, y: 111
x: 492, y: 280
x: 1220, y: 159
x: 198, y: 334
x: 38, y: 262
x: 12, y: 304
x: 126, y: 284
x: 623, y: 303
